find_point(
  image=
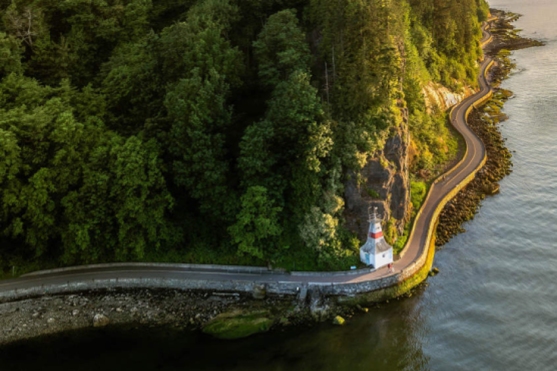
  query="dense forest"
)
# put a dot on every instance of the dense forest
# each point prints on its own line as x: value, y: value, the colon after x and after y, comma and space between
x: 212, y: 130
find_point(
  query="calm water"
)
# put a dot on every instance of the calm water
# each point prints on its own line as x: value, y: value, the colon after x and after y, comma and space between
x: 493, y: 307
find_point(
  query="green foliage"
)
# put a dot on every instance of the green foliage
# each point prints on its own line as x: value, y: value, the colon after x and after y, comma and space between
x: 390, y: 232
x: 257, y: 227
x: 434, y: 142
x: 120, y: 210
x: 319, y: 230
x: 24, y: 21
x: 372, y: 193
x: 401, y: 240
x: 454, y: 28
x: 418, y: 192
x: 139, y: 75
x: 43, y: 151
x: 10, y: 55
x: 52, y: 61
x: 281, y: 48
x: 101, y: 194
x: 136, y: 130
x: 215, y: 12
x: 199, y: 114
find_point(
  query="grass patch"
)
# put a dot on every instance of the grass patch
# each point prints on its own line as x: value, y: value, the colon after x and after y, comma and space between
x: 418, y: 192
x: 372, y: 193
x: 401, y: 240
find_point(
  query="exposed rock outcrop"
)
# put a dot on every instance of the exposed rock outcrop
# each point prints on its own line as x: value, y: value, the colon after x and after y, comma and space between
x: 438, y: 96
x: 383, y: 183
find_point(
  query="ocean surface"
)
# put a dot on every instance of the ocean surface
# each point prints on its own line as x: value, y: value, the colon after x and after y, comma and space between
x: 492, y: 307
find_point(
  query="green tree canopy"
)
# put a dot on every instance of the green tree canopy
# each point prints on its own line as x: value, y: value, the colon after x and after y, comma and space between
x: 10, y: 55
x: 281, y: 48
x: 257, y: 227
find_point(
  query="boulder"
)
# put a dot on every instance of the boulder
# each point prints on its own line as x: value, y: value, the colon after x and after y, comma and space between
x: 362, y: 309
x: 259, y: 292
x: 491, y: 189
x: 100, y: 320
x: 339, y: 321
x: 303, y: 294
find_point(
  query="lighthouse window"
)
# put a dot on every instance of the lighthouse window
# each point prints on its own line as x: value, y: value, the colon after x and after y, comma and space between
x: 383, y: 255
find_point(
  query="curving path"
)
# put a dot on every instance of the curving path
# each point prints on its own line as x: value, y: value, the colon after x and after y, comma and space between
x: 417, y: 242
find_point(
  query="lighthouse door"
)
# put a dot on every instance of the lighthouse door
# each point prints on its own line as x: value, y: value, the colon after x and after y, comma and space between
x: 367, y: 259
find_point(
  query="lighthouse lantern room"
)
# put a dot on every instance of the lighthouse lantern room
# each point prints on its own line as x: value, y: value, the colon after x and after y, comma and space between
x: 376, y: 252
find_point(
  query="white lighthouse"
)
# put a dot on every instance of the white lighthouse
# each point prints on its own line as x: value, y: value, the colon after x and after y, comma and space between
x: 376, y: 251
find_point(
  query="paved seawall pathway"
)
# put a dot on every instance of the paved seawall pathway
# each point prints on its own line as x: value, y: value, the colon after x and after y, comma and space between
x: 414, y: 260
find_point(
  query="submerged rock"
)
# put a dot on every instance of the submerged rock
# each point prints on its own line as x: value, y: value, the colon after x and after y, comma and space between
x: 239, y: 324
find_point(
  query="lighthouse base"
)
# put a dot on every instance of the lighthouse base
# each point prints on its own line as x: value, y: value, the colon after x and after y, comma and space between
x: 376, y: 260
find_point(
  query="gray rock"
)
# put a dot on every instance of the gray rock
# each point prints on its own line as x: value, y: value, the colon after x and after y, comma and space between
x: 386, y: 184
x: 100, y: 320
x: 259, y: 292
x: 303, y: 294
x: 318, y: 306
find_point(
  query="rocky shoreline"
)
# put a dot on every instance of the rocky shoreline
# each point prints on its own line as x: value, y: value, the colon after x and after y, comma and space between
x: 223, y: 315
x: 484, y: 122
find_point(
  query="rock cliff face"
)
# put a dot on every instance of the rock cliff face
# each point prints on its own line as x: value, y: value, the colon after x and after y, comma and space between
x: 438, y: 96
x: 384, y: 182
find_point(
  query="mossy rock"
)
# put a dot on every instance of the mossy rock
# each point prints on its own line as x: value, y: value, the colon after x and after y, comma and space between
x: 239, y: 324
x: 339, y: 321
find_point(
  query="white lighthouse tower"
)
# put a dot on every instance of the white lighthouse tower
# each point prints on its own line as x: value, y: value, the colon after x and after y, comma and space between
x: 376, y: 252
